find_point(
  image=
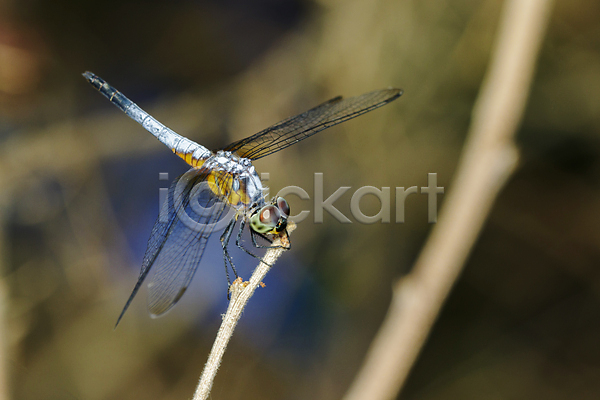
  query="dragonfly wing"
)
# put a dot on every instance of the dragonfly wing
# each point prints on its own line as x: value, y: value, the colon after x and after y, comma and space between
x: 295, y: 129
x: 177, y: 263
x: 179, y: 236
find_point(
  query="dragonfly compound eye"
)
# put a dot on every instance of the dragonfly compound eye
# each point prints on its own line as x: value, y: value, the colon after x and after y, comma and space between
x: 283, y: 206
x: 269, y: 215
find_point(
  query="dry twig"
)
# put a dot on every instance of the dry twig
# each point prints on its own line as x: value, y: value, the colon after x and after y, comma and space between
x: 489, y: 158
x: 240, y: 294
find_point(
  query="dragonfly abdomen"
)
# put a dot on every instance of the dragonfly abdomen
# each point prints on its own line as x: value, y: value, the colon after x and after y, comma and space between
x: 191, y: 159
x: 192, y: 152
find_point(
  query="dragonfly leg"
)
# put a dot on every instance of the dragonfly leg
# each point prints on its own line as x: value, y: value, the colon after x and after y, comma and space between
x: 253, y: 234
x: 238, y: 241
x: 226, y: 257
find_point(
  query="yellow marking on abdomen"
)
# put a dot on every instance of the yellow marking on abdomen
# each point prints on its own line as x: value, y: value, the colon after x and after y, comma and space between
x: 187, y: 157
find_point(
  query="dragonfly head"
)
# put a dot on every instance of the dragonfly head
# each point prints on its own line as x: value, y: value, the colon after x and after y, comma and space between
x: 271, y: 218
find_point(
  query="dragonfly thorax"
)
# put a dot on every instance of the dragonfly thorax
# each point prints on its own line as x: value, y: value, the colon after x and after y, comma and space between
x: 234, y: 179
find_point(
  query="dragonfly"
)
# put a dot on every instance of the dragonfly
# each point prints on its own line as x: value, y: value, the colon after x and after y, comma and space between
x: 217, y: 183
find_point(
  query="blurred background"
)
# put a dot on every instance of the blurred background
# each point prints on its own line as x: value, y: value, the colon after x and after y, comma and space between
x: 80, y: 194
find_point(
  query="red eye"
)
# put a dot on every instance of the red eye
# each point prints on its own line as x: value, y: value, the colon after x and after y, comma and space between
x: 283, y: 206
x: 269, y: 215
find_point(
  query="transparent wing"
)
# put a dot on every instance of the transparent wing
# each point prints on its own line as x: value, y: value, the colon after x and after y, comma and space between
x: 295, y: 129
x: 179, y: 236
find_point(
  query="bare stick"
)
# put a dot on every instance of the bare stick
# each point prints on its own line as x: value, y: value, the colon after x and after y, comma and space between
x: 4, y: 389
x: 240, y: 294
x: 488, y: 160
